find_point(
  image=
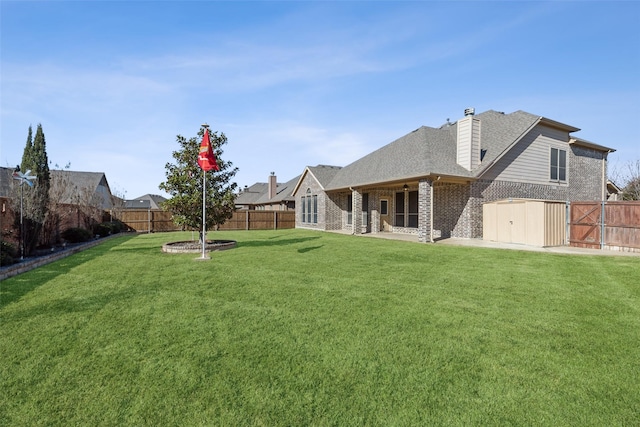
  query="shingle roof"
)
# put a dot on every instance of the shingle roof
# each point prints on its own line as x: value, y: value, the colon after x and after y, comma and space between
x: 432, y: 151
x: 250, y: 195
x: 283, y: 192
x: 75, y: 183
x: 324, y: 173
x: 155, y: 201
x: 80, y: 182
x: 137, y: 204
x: 321, y: 173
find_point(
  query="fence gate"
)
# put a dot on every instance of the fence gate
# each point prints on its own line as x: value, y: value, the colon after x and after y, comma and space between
x: 586, y: 224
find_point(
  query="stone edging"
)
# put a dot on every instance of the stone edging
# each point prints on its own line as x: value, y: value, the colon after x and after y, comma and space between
x: 30, y: 264
x: 190, y: 247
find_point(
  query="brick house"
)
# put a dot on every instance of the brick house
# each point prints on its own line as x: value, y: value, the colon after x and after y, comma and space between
x: 76, y: 199
x: 433, y: 182
x: 270, y: 195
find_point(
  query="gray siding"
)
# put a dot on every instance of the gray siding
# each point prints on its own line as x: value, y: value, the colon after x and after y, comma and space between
x: 468, y: 142
x: 528, y: 161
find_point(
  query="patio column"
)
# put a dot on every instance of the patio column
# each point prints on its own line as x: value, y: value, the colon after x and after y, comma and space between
x: 356, y: 213
x: 425, y: 211
x: 375, y: 219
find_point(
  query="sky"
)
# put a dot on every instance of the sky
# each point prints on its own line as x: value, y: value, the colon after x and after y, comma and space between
x: 301, y: 83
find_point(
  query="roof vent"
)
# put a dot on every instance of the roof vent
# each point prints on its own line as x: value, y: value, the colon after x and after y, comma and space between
x: 469, y: 112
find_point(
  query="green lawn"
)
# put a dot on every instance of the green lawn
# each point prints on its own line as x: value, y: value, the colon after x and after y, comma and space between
x: 309, y: 328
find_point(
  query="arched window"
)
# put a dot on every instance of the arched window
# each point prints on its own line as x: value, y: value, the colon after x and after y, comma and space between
x: 309, y: 205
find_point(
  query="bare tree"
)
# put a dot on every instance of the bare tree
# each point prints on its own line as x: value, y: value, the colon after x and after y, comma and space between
x: 59, y: 212
x: 118, y: 200
x: 628, y: 176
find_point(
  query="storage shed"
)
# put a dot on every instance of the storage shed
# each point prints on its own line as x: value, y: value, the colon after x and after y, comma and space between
x: 525, y: 221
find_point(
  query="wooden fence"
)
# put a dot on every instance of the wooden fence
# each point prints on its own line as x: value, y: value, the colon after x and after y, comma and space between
x: 611, y: 225
x: 152, y: 221
x: 260, y: 220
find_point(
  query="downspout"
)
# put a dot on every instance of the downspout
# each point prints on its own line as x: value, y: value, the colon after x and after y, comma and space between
x: 431, y: 212
x: 604, y: 198
x: 353, y: 222
x: 604, y: 184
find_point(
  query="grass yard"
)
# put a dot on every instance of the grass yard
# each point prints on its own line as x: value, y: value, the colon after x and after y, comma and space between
x: 308, y: 328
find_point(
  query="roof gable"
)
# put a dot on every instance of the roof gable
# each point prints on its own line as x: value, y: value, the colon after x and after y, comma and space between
x: 322, y: 174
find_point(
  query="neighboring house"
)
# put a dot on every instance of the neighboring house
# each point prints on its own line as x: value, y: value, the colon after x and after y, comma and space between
x: 247, y: 198
x: 433, y: 182
x: 148, y: 201
x: 268, y: 196
x: 88, y: 188
x: 614, y: 193
x: 76, y: 199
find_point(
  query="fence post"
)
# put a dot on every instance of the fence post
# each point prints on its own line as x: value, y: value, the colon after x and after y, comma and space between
x: 602, y: 226
x: 246, y: 225
x: 275, y: 220
x: 567, y: 233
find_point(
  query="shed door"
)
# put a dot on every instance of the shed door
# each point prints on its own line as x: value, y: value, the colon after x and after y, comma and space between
x: 511, y: 221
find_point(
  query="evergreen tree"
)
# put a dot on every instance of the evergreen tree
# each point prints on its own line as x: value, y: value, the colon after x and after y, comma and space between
x: 184, y: 184
x: 26, y: 154
x: 36, y: 198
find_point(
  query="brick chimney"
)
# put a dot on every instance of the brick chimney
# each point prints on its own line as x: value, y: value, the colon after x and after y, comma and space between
x: 273, y: 184
x: 468, y: 140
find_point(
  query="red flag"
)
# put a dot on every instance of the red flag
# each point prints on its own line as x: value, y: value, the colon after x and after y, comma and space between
x: 206, y: 158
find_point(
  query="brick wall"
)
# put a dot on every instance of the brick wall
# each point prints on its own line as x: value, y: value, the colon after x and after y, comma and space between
x: 585, y: 179
x: 425, y: 192
x: 335, y: 204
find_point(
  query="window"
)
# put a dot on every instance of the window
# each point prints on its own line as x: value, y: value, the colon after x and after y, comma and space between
x: 309, y: 208
x: 365, y: 208
x: 384, y: 207
x: 413, y: 209
x: 558, y: 165
x: 350, y: 209
x: 404, y: 217
x: 399, y: 220
x: 315, y: 209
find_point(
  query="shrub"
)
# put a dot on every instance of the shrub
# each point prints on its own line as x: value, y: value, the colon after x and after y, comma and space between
x: 8, y: 253
x: 107, y: 228
x: 116, y: 226
x: 76, y: 235
x: 102, y: 230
